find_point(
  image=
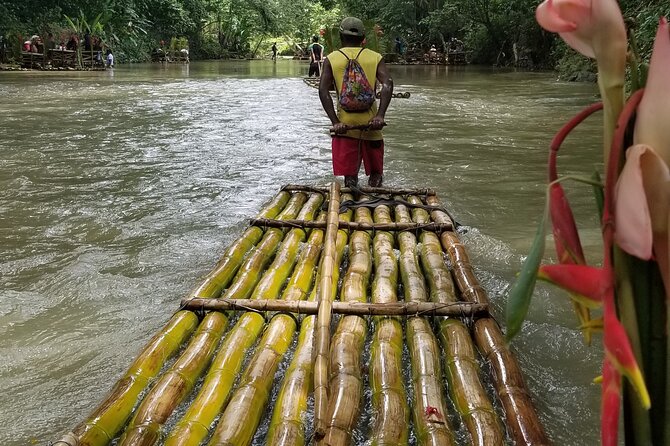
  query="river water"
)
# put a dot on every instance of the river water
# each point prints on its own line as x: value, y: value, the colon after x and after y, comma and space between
x: 120, y: 189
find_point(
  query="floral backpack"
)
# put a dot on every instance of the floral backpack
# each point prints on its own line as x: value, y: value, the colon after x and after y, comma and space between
x: 357, y: 94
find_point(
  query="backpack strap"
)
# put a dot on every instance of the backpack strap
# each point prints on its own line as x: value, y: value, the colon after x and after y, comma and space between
x: 355, y: 58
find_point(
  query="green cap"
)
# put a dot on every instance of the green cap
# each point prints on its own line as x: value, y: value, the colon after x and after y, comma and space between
x: 351, y: 26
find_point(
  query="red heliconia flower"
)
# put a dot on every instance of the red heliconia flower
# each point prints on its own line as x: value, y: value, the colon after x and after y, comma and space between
x: 587, y: 283
x: 619, y: 352
x: 566, y: 237
x: 610, y: 405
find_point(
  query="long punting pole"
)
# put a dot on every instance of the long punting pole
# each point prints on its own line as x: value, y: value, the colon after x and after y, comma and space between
x: 462, y: 368
x: 107, y: 420
x: 346, y: 380
x: 429, y: 406
x: 454, y: 309
x: 322, y: 346
x: 522, y: 420
x: 354, y: 226
x: 179, y: 380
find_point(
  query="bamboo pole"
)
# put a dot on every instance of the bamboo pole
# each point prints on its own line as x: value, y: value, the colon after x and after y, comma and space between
x: 354, y: 226
x: 346, y: 381
x: 172, y: 387
x: 364, y: 189
x: 252, y: 394
x: 218, y: 279
x: 462, y: 369
x: 455, y: 309
x: 193, y: 428
x: 389, y: 399
x: 328, y: 285
x: 522, y: 420
x: 107, y: 420
x: 287, y: 424
x: 429, y: 406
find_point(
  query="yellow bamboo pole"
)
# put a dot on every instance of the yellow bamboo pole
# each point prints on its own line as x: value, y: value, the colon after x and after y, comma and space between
x: 218, y: 279
x: 107, y: 420
x: 194, y: 426
x: 321, y: 362
x: 467, y: 392
x: 172, y: 387
x: 389, y: 399
x: 287, y: 425
x: 346, y: 381
x: 429, y: 405
x: 521, y: 418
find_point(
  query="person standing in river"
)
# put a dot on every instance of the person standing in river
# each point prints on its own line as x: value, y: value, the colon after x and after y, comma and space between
x: 274, y: 51
x: 366, y: 145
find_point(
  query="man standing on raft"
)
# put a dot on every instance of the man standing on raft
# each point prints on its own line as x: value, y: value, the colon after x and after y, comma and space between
x: 349, y: 69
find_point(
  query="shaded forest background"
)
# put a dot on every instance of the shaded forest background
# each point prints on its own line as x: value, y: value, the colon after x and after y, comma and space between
x: 501, y: 32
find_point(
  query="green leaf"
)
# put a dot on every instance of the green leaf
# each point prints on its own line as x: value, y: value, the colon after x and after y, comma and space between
x: 599, y: 192
x: 521, y: 292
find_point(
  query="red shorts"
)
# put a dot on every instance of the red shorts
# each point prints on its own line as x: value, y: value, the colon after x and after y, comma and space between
x: 349, y: 152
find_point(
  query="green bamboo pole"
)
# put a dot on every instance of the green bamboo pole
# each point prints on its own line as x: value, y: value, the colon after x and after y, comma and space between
x: 251, y: 396
x: 178, y: 382
x: 107, y: 420
x: 346, y: 382
x: 429, y: 405
x: 462, y: 369
x: 389, y: 399
x: 194, y: 426
x: 218, y: 279
x: 323, y: 319
x: 287, y: 426
x: 521, y: 418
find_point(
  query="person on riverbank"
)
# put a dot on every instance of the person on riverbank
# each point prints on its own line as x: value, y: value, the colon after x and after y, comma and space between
x: 366, y: 145
x: 315, y: 57
x: 274, y: 50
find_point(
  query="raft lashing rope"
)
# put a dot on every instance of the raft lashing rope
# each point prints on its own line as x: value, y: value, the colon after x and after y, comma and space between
x: 391, y: 275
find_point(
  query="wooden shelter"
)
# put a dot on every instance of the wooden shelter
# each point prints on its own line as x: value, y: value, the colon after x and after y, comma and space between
x: 330, y: 321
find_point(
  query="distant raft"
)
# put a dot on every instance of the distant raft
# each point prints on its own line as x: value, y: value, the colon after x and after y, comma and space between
x: 274, y: 347
x: 314, y: 83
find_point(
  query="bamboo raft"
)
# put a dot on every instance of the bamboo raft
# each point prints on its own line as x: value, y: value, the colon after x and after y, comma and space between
x: 305, y: 332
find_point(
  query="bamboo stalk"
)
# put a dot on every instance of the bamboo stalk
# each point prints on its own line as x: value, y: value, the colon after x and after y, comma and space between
x: 354, y: 226
x: 454, y: 309
x: 462, y: 370
x: 327, y: 290
x: 218, y: 279
x: 429, y: 406
x: 193, y: 428
x: 172, y: 387
x: 364, y: 189
x: 107, y: 420
x: 389, y: 399
x: 287, y: 424
x: 522, y: 420
x: 346, y: 381
x: 250, y: 398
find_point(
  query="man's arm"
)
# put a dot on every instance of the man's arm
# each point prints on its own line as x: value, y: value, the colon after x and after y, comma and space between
x: 384, y: 78
x: 327, y: 80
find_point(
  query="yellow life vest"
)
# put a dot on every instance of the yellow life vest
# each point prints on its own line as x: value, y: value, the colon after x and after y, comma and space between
x: 368, y: 60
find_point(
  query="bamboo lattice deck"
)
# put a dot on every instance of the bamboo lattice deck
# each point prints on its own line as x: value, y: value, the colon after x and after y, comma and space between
x: 307, y: 327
